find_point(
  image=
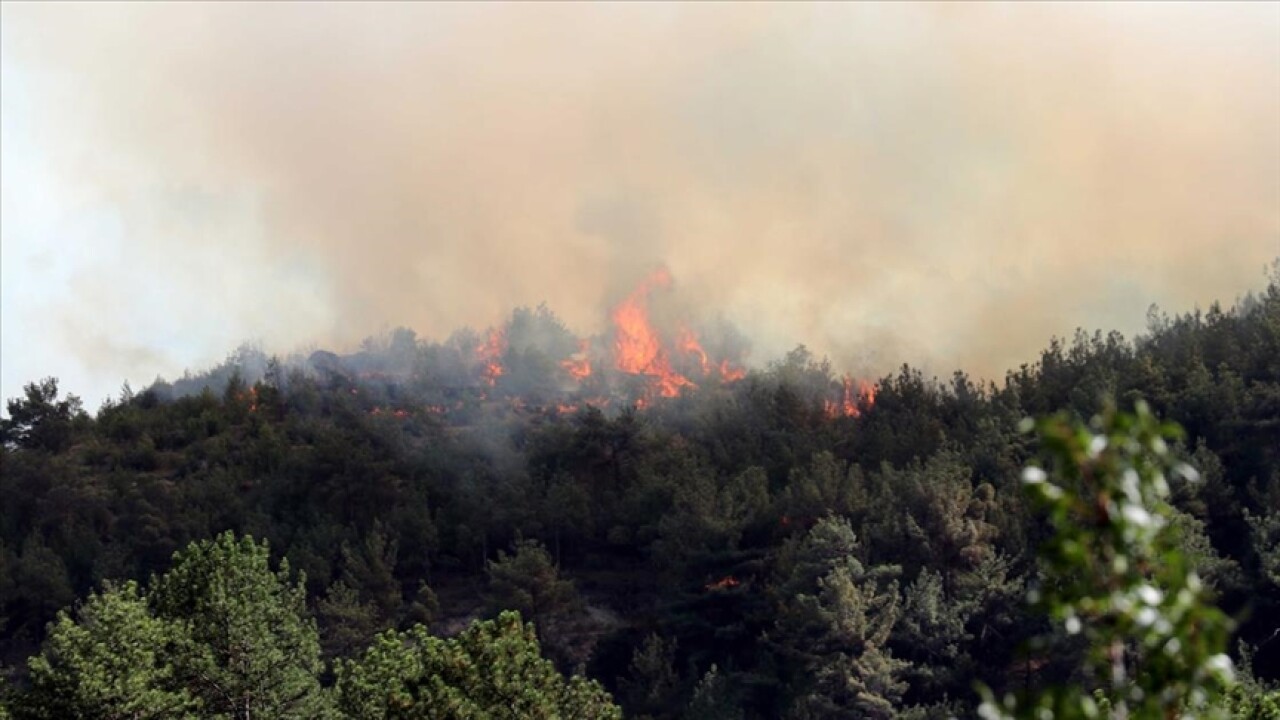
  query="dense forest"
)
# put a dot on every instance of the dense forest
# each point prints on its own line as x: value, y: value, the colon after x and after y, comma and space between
x: 778, y: 542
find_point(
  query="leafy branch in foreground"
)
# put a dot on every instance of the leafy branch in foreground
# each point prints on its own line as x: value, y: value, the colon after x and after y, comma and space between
x: 1113, y: 574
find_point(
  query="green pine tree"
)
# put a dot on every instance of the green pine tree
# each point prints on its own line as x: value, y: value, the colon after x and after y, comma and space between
x: 492, y: 670
x: 834, y: 625
x: 113, y: 660
x: 254, y: 649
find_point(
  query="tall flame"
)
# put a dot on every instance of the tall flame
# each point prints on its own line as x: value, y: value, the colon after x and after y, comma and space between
x: 868, y: 391
x: 637, y: 347
x: 490, y: 352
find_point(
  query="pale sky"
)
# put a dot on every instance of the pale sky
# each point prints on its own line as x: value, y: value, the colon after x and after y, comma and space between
x: 945, y: 185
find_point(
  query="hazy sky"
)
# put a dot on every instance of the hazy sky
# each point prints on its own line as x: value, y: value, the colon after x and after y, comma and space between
x: 947, y: 185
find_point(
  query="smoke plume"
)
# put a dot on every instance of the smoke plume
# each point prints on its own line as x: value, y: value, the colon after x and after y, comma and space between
x: 946, y: 185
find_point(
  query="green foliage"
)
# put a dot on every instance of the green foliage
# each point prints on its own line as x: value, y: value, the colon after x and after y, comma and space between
x: 115, y: 659
x: 369, y: 568
x: 6, y: 700
x: 220, y: 635
x: 713, y: 699
x: 652, y: 683
x: 254, y: 648
x: 1262, y: 706
x: 425, y: 607
x: 835, y: 624
x: 708, y: 517
x: 528, y: 582
x: 1264, y: 530
x: 347, y: 624
x: 41, y: 578
x: 1218, y: 573
x: 40, y: 421
x: 493, y: 669
x: 1252, y: 699
x: 1114, y: 574
x: 933, y: 630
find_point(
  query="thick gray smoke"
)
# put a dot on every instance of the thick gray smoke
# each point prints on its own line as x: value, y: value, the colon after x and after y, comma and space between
x: 944, y: 185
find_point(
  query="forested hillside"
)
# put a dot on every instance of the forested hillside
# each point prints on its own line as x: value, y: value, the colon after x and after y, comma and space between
x: 677, y: 548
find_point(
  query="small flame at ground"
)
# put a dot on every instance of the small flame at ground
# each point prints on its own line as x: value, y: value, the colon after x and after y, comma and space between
x: 724, y: 583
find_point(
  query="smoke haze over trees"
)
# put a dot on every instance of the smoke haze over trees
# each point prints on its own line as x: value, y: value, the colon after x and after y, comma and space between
x: 745, y: 545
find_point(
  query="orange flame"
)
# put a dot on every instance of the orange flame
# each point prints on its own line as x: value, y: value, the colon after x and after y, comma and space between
x: 851, y: 392
x: 848, y: 401
x: 250, y: 396
x: 868, y: 391
x: 637, y: 348
x: 578, y: 365
x: 688, y: 342
x: 729, y: 373
x: 490, y: 352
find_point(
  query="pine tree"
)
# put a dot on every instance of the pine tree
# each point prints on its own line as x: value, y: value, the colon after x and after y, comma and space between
x: 369, y: 569
x: 528, y: 582
x: 425, y: 607
x: 932, y: 632
x: 113, y: 660
x: 713, y: 699
x: 652, y: 683
x: 254, y: 649
x: 347, y: 624
x: 493, y: 669
x: 834, y: 626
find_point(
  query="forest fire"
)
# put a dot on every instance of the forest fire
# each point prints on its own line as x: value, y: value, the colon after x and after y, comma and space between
x: 851, y: 391
x: 653, y: 349
x: 490, y: 352
x: 251, y: 397
x: 688, y: 342
x: 637, y: 347
x: 729, y: 373
x: 578, y: 365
